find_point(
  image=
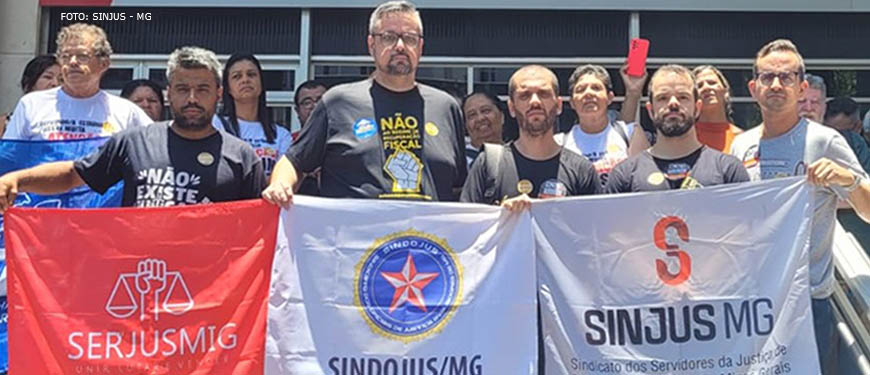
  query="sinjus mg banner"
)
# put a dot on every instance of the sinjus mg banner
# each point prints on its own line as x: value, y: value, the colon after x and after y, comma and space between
x: 374, y: 287
x: 178, y: 290
x: 712, y: 281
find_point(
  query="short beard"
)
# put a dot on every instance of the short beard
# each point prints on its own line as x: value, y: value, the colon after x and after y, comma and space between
x: 672, y: 129
x: 549, y: 123
x: 398, y: 69
x: 194, y: 125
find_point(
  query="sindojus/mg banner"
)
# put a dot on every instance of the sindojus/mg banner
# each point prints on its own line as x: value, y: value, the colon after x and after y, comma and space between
x: 375, y: 287
x: 712, y: 281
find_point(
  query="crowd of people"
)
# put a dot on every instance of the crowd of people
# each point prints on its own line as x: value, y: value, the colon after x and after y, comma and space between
x: 392, y: 137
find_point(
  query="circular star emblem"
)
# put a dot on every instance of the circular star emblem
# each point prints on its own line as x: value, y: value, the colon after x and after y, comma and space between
x: 408, y: 285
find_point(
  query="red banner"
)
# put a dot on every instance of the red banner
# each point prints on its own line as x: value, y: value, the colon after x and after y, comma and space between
x: 178, y: 290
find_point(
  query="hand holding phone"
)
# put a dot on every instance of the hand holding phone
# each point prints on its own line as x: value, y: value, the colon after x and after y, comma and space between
x: 637, y: 52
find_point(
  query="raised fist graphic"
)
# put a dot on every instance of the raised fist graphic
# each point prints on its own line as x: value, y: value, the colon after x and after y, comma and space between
x: 404, y: 168
x: 150, y: 276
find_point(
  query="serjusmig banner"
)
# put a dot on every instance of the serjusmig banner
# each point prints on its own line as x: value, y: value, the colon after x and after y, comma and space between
x: 711, y: 281
x: 15, y: 155
x: 370, y: 287
x: 178, y: 290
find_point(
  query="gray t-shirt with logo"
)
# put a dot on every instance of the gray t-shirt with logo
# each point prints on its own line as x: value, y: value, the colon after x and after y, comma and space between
x: 160, y: 168
x: 789, y: 155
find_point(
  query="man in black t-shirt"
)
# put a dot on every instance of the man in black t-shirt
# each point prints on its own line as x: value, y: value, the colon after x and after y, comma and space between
x: 385, y: 137
x: 179, y: 162
x: 677, y: 160
x: 535, y: 165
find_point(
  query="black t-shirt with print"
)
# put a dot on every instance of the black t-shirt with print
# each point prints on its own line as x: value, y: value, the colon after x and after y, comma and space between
x: 371, y: 142
x: 566, y: 174
x: 703, y: 167
x: 161, y: 168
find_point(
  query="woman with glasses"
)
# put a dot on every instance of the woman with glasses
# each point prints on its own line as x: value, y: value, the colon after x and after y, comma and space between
x: 245, y: 113
x: 147, y: 94
x: 40, y: 73
x: 715, y: 127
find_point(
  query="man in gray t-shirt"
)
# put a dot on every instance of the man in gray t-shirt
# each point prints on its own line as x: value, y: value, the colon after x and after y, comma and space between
x: 786, y: 145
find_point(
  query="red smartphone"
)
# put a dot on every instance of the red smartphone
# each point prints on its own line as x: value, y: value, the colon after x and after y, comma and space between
x: 637, y: 51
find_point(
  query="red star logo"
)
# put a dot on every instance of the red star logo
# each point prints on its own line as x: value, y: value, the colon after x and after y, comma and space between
x: 409, y: 285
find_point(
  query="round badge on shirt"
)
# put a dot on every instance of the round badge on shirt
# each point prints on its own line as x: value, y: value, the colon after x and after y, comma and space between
x: 431, y: 129
x: 656, y: 178
x: 365, y: 128
x: 205, y: 158
x: 525, y: 186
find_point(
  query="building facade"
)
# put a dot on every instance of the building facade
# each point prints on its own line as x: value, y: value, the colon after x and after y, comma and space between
x: 469, y: 45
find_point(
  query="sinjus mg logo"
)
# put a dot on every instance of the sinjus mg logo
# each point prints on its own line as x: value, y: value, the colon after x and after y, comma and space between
x: 407, y: 285
x: 151, y: 278
x: 667, y: 234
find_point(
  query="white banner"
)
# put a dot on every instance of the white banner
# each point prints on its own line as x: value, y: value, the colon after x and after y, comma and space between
x: 368, y: 287
x: 710, y: 281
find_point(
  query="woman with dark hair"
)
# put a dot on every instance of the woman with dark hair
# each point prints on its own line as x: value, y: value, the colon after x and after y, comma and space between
x: 714, y: 127
x: 603, y: 139
x: 484, y: 122
x: 147, y: 94
x: 40, y: 73
x: 245, y: 113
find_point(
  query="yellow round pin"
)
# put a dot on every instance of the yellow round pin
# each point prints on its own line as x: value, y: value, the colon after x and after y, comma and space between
x: 431, y: 129
x: 656, y: 178
x: 205, y: 158
x: 525, y: 186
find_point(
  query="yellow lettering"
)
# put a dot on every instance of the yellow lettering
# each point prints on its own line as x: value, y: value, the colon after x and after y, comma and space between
x: 400, y: 123
x: 387, y: 123
x: 407, y: 144
x: 411, y: 122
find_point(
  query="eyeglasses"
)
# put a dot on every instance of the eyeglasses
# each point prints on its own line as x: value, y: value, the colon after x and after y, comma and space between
x: 785, y: 78
x: 389, y: 38
x: 82, y: 58
x: 308, y: 102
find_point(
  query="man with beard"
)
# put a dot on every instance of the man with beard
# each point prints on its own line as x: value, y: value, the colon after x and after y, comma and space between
x: 787, y: 145
x: 386, y: 137
x: 534, y: 165
x: 178, y: 162
x: 678, y: 160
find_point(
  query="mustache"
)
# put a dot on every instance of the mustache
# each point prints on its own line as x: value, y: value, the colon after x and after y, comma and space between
x: 192, y: 106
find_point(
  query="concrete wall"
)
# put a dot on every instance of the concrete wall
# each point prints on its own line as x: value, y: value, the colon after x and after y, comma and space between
x: 19, y: 42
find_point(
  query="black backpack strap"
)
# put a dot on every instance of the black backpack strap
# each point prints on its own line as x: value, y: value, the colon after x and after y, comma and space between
x: 494, y: 154
x: 621, y: 131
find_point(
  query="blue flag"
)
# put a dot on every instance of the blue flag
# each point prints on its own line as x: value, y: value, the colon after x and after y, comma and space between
x: 15, y: 155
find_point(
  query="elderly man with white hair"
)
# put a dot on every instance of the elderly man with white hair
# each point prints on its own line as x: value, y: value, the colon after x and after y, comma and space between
x: 178, y: 162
